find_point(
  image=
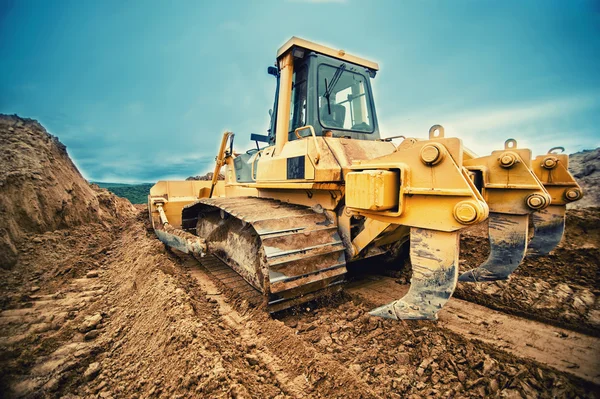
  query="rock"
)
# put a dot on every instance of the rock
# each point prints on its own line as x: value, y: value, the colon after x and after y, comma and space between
x: 488, y: 365
x: 35, y: 288
x: 579, y: 305
x: 471, y: 383
x: 510, y: 394
x: 587, y: 297
x: 92, y: 274
x: 563, y: 291
x: 92, y: 371
x: 594, y: 317
x: 462, y: 376
x: 353, y: 316
x: 425, y: 363
x: 494, y: 386
x: 252, y: 360
x: 90, y: 323
x: 403, y: 358
x: 91, y: 335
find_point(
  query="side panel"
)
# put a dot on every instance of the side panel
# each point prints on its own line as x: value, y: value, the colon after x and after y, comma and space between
x: 177, y: 194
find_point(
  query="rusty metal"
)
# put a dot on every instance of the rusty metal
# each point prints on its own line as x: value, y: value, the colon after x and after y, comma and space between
x: 508, y: 243
x: 548, y: 229
x: 175, y: 238
x: 552, y: 169
x: 220, y: 160
x: 434, y: 258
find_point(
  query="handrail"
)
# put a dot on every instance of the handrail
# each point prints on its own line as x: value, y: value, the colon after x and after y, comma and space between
x: 312, y: 131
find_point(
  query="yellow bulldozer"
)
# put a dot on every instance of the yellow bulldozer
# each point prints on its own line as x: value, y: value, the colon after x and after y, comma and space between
x: 323, y: 189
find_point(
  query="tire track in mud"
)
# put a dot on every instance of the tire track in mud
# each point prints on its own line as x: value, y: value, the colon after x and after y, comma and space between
x: 564, y: 350
x: 300, y: 369
x: 338, y: 350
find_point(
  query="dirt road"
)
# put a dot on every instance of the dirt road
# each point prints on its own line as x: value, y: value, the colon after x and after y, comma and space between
x: 562, y: 349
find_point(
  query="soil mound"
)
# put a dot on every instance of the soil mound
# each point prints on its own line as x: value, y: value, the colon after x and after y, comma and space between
x: 585, y: 166
x: 42, y: 190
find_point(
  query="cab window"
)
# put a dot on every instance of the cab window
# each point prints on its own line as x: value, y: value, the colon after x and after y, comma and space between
x: 344, y: 101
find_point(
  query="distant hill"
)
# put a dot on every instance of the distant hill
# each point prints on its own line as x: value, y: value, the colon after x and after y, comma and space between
x: 135, y: 193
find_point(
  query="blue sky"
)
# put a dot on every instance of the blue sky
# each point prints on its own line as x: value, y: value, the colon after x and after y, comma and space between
x: 141, y: 90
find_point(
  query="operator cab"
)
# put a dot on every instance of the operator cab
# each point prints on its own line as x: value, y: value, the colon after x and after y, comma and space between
x: 319, y: 87
x: 329, y: 90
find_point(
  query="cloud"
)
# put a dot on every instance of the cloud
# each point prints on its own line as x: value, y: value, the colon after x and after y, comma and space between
x: 535, y: 125
x: 527, y: 113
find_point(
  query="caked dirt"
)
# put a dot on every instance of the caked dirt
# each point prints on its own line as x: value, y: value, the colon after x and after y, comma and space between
x: 94, y: 306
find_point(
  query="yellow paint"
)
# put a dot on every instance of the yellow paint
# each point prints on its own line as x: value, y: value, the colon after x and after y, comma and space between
x: 374, y: 190
x: 509, y: 184
x: 318, y: 48
x: 553, y: 172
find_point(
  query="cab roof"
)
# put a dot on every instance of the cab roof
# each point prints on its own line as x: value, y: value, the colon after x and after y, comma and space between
x: 317, y: 48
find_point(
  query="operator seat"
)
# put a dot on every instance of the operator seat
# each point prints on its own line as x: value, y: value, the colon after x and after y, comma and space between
x: 337, y: 116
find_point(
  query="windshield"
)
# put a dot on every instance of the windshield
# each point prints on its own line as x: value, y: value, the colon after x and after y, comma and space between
x: 344, y: 101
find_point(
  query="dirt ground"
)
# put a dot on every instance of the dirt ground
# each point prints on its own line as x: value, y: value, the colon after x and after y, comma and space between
x: 562, y: 288
x: 94, y: 306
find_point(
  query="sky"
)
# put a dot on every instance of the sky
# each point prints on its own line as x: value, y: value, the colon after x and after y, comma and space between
x: 141, y: 90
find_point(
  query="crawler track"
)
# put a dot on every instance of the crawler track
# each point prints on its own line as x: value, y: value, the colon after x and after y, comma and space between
x: 289, y: 253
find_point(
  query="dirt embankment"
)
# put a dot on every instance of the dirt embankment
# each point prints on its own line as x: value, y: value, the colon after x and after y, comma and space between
x: 585, y: 166
x: 42, y: 190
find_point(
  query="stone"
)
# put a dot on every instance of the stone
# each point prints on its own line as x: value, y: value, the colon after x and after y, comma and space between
x: 563, y: 291
x: 510, y: 394
x: 594, y: 317
x: 587, y: 297
x: 91, y: 335
x: 35, y: 288
x: 92, y: 371
x: 353, y: 316
x: 488, y: 365
x: 579, y: 305
x: 425, y: 363
x: 252, y: 360
x: 462, y: 376
x: 494, y: 386
x: 92, y: 274
x: 90, y: 323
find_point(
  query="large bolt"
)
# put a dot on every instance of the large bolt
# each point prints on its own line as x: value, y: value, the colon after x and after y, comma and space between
x: 507, y: 159
x: 573, y: 194
x: 550, y: 162
x: 465, y: 212
x: 431, y: 154
x: 536, y: 201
